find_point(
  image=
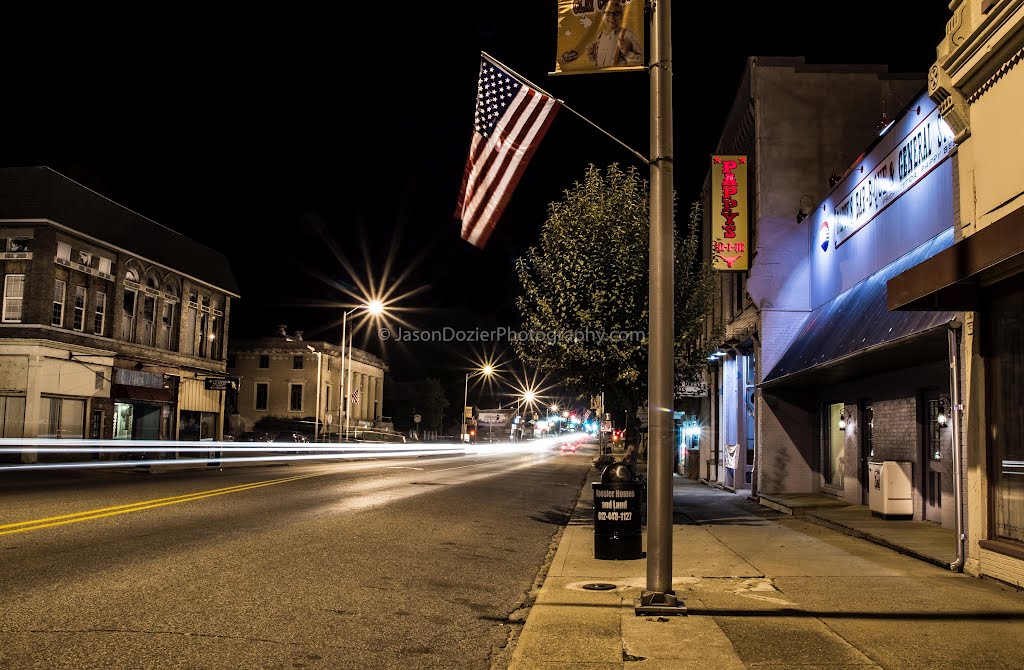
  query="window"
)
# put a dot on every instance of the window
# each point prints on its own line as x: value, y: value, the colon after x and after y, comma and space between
x: 85, y: 258
x: 60, y: 287
x: 264, y: 361
x: 166, y: 324
x: 934, y: 431
x: 65, y: 417
x: 104, y: 265
x: 128, y: 315
x: 201, y: 333
x: 214, y: 338
x: 99, y: 381
x: 12, y: 416
x: 262, y: 395
x: 297, y: 362
x: 64, y: 251
x: 19, y: 244
x: 78, y: 317
x: 835, y: 444
x: 100, y: 318
x: 148, y: 317
x: 14, y: 298
x: 152, y: 282
x: 295, y: 398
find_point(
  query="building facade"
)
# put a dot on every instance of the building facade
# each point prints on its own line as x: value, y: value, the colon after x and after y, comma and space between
x: 977, y: 82
x: 111, y: 324
x: 796, y: 124
x: 860, y: 385
x: 278, y: 379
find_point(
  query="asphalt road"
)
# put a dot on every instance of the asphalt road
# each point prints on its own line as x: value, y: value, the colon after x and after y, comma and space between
x: 413, y: 563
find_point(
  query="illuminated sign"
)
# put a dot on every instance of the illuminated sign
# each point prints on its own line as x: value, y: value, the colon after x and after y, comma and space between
x: 921, y: 150
x: 729, y: 244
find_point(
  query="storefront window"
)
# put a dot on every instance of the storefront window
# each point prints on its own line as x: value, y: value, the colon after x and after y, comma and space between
x: 834, y: 445
x: 12, y: 416
x: 65, y: 417
x: 123, y: 418
x: 1006, y: 438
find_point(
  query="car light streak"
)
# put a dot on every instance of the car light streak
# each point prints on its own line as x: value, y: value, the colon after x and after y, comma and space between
x: 103, y: 512
x: 219, y: 453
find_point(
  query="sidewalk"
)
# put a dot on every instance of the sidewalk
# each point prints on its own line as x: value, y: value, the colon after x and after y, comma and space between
x: 768, y: 590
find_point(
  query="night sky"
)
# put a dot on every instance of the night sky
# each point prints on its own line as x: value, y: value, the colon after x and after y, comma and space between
x: 276, y: 136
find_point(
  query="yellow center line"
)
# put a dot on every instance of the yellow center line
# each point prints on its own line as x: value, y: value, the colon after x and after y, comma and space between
x: 49, y: 522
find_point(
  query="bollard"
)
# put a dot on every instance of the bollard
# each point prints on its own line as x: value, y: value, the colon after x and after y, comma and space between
x: 618, y: 501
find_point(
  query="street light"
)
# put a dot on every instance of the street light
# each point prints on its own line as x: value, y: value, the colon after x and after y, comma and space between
x: 316, y: 412
x: 375, y: 308
x: 486, y: 371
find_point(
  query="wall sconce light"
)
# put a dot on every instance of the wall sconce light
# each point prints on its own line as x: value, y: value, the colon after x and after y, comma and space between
x: 884, y: 122
x: 842, y: 419
x: 941, y: 418
x: 806, y: 205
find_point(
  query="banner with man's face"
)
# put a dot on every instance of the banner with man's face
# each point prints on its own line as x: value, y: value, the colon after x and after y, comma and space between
x: 600, y: 36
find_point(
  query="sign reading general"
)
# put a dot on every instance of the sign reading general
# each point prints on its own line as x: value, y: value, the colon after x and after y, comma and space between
x: 730, y: 248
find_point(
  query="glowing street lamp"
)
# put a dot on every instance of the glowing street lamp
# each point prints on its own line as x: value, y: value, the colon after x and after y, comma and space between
x: 374, y: 308
x: 487, y: 370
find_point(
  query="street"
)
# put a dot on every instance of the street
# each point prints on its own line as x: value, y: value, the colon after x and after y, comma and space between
x: 413, y: 562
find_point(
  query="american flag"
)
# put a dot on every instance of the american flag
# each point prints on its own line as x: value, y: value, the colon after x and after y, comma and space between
x: 586, y: 415
x: 510, y: 121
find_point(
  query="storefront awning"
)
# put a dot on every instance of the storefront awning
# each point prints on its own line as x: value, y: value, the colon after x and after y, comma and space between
x: 126, y: 392
x: 951, y: 279
x: 855, y: 334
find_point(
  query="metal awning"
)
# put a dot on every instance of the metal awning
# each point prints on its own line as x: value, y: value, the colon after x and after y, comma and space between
x: 855, y: 335
x: 952, y: 278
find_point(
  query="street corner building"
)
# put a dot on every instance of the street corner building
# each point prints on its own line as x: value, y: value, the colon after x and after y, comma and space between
x: 283, y: 377
x: 872, y: 353
x: 113, y: 326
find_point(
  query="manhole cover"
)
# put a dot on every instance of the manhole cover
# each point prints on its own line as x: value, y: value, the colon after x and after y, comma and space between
x: 599, y: 586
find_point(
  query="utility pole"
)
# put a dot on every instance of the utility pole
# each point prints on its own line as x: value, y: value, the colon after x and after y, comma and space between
x: 658, y: 598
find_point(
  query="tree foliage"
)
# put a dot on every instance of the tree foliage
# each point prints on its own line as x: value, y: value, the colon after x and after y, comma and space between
x: 584, y: 288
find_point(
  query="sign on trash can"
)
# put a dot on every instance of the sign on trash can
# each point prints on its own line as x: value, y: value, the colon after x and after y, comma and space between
x: 618, y: 503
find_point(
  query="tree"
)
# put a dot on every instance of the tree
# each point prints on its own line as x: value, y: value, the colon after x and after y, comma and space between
x: 425, y: 397
x: 694, y: 299
x: 584, y: 289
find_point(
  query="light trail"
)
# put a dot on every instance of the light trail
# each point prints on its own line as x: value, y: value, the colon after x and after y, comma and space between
x: 308, y: 451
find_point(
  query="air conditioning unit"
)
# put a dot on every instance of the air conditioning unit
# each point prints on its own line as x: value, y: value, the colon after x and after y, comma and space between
x: 890, y: 490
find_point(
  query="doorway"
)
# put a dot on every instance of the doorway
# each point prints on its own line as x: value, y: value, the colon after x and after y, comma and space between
x: 932, y: 458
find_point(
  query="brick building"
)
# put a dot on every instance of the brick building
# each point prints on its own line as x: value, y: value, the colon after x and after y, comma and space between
x: 111, y: 324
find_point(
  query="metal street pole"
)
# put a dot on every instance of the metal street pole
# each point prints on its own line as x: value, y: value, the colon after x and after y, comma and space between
x: 659, y: 598
x: 349, y: 386
x: 316, y: 411
x: 341, y: 379
x: 465, y: 400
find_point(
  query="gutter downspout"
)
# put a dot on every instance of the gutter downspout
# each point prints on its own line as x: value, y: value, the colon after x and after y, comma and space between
x: 956, y: 410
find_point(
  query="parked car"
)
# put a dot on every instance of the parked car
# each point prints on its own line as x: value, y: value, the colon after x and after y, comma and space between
x: 255, y: 436
x: 288, y: 436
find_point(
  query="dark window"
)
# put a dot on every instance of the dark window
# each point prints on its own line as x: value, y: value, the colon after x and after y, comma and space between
x: 296, y: 362
x: 296, y: 398
x: 262, y: 391
x: 264, y: 361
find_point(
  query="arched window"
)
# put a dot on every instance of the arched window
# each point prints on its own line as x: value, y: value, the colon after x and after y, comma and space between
x: 129, y: 302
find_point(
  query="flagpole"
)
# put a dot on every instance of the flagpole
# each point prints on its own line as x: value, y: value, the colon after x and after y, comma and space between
x: 643, y: 159
x: 658, y: 598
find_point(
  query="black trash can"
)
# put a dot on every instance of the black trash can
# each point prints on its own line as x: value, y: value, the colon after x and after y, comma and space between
x: 618, y: 503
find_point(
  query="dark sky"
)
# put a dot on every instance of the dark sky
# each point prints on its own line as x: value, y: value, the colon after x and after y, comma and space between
x: 273, y: 136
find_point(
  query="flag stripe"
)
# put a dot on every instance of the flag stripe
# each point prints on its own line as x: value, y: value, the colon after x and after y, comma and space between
x: 498, y: 147
x: 503, y: 156
x: 509, y: 180
x: 510, y: 121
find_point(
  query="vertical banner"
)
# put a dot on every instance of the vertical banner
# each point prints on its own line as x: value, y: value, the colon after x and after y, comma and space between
x: 600, y: 36
x: 729, y: 225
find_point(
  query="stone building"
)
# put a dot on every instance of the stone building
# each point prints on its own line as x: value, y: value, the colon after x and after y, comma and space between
x: 278, y: 375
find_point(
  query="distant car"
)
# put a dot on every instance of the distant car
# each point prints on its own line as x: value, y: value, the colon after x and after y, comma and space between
x: 255, y: 436
x: 569, y: 447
